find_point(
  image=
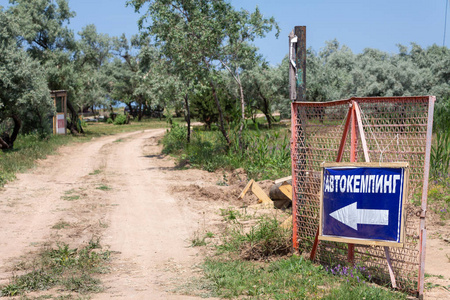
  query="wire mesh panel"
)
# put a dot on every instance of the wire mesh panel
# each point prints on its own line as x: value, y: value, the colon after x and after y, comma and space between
x: 395, y: 130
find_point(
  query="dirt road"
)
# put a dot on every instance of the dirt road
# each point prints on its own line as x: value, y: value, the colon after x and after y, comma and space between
x: 115, y: 188
x: 118, y: 189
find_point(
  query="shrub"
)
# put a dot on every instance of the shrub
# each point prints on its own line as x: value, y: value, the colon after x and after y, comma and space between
x: 174, y: 139
x: 264, y: 240
x: 109, y: 121
x: 120, y: 120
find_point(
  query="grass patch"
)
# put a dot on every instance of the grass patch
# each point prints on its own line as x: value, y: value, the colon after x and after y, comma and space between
x: 63, y: 267
x: 265, y: 153
x: 70, y: 197
x: 95, y: 172
x: 255, y: 263
x: 291, y: 278
x: 265, y: 239
x: 61, y: 225
x: 439, y: 197
x: 103, y: 187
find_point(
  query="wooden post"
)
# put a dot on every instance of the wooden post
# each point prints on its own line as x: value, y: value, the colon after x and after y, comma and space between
x: 297, y: 81
x: 292, y: 66
x: 300, y: 33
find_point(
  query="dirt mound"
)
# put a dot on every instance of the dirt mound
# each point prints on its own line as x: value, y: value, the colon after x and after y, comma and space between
x: 223, y: 191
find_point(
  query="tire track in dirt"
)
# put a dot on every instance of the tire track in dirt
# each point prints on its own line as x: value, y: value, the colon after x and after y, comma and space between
x: 146, y: 229
x: 149, y: 228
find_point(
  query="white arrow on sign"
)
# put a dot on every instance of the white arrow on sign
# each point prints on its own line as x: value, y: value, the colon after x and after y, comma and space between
x: 351, y: 216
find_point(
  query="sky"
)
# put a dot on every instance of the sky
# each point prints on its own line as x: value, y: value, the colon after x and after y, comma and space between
x: 358, y: 24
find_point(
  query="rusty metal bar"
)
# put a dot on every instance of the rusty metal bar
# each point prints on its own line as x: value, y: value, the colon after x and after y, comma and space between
x: 294, y: 178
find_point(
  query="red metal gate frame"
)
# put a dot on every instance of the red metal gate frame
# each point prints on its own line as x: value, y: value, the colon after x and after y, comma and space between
x: 354, y: 121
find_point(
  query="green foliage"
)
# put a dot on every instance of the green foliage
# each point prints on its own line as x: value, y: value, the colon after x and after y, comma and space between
x: 23, y: 88
x: 440, y: 155
x: 442, y: 114
x: 64, y: 267
x: 230, y: 214
x: 265, y: 239
x: 120, y: 120
x: 174, y: 139
x: 109, y: 121
x: 266, y: 153
x: 103, y: 187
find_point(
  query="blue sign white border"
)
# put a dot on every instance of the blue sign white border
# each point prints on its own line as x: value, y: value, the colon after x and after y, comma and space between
x: 373, y: 242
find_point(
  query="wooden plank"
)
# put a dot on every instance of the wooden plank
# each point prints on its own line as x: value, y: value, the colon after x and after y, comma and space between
x: 281, y: 180
x: 287, y: 190
x: 391, y: 271
x: 361, y: 132
x: 244, y: 191
x: 360, y: 242
x: 262, y: 196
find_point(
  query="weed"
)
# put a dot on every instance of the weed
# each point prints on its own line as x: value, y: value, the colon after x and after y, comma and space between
x: 61, y: 225
x: 71, y: 197
x: 103, y: 187
x: 102, y: 224
x: 118, y: 141
x: 63, y: 267
x: 430, y: 275
x: 95, y: 172
x: 229, y: 214
x: 265, y: 239
x: 197, y: 240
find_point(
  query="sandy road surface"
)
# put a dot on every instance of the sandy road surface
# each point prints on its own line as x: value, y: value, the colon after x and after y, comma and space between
x: 120, y: 184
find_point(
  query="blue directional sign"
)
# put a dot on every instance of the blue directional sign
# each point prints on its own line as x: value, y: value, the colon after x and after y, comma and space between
x: 363, y: 202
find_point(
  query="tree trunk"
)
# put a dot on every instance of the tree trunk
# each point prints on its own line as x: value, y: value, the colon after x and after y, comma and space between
x: 72, y: 125
x: 188, y: 118
x: 6, y: 141
x: 140, y: 112
x: 266, y: 106
x: 241, y: 127
x: 219, y: 108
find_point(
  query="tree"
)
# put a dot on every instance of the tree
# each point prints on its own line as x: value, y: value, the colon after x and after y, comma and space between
x: 24, y: 96
x: 264, y: 85
x: 42, y: 26
x: 140, y: 74
x: 197, y: 35
x: 92, y: 54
